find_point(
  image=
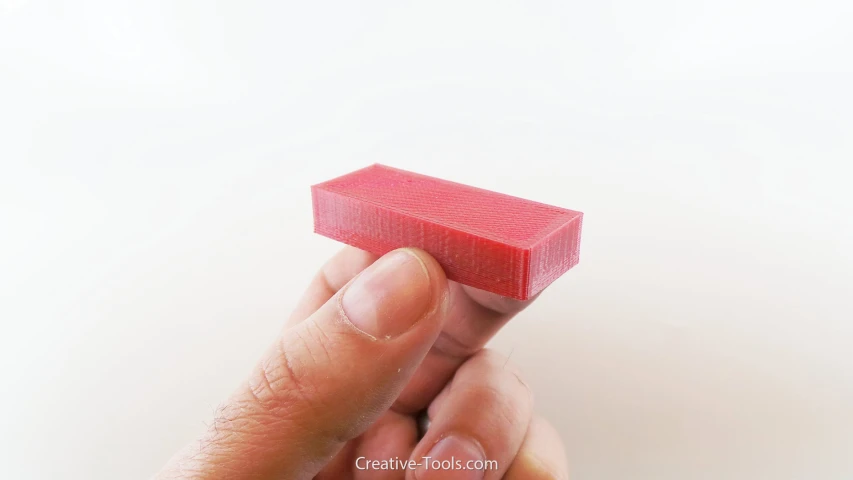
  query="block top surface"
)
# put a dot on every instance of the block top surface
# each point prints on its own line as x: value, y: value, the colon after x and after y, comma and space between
x: 479, y: 212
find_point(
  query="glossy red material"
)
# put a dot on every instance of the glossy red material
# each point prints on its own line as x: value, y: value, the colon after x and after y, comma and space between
x: 495, y: 242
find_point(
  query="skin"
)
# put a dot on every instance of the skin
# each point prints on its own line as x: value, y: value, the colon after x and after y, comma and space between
x: 373, y: 342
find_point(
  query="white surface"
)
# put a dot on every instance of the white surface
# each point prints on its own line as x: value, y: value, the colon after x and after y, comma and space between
x: 156, y: 218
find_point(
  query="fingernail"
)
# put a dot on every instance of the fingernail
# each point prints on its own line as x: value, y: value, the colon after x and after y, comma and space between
x: 390, y: 296
x: 453, y: 458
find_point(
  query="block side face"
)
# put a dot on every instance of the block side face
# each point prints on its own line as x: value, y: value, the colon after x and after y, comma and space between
x: 525, y: 282
x: 554, y: 255
x: 315, y: 192
x: 466, y: 258
x: 483, y: 213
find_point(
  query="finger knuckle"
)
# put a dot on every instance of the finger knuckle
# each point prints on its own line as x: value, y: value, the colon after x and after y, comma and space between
x: 283, y: 378
x: 493, y: 379
x: 491, y: 362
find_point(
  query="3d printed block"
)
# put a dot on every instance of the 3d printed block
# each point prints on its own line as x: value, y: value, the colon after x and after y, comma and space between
x: 495, y: 242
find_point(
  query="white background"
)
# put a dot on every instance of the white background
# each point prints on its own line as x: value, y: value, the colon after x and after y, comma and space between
x: 155, y: 216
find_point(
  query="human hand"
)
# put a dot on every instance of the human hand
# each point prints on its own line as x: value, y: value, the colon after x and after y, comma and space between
x: 372, y: 344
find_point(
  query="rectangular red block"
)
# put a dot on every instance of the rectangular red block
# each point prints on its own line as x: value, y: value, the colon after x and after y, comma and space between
x: 491, y: 241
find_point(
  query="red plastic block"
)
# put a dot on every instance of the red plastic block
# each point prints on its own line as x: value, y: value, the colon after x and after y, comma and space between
x: 495, y: 242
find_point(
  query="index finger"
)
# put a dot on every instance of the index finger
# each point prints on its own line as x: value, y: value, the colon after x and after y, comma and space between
x: 474, y: 317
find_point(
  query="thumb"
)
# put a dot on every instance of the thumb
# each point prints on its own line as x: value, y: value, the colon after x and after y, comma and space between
x: 327, y: 379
